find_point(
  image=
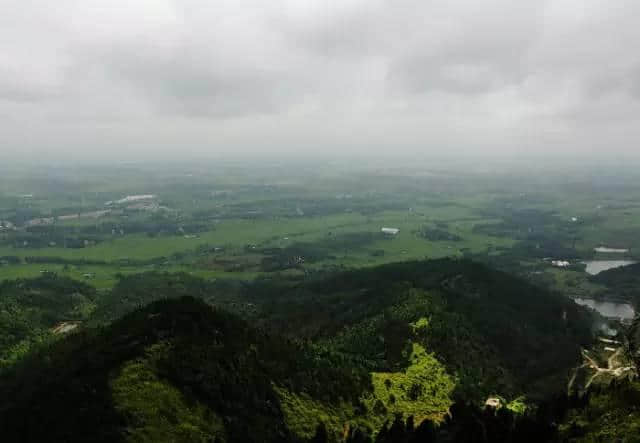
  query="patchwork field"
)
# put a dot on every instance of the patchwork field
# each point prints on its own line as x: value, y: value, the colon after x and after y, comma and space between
x: 244, y: 223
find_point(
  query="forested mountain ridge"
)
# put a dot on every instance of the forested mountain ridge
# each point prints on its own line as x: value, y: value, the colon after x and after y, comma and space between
x: 496, y: 332
x: 476, y: 317
x: 180, y: 371
x: 176, y: 366
x: 348, y: 351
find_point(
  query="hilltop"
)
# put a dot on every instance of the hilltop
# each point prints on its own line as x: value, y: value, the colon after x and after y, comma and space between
x: 174, y: 370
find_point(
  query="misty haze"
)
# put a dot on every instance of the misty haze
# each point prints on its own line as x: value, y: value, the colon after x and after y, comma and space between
x: 319, y: 221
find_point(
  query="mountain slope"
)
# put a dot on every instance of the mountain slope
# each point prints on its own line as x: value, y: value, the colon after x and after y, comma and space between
x: 350, y: 350
x: 495, y: 332
x: 209, y: 365
x: 31, y: 308
x: 180, y: 370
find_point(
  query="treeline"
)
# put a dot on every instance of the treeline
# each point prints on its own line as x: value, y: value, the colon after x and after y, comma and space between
x: 29, y: 240
x: 70, y: 236
x: 296, y: 254
x: 437, y: 234
x: 62, y: 261
x: 538, y: 233
x: 154, y: 226
x: 297, y: 207
x: 44, y: 259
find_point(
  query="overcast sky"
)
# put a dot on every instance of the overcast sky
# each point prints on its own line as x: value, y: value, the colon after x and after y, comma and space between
x: 191, y: 77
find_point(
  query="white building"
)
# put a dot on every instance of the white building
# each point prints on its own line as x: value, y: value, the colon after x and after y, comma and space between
x: 390, y: 231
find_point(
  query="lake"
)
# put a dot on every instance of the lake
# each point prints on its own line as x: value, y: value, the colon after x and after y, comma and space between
x: 622, y: 311
x: 597, y: 266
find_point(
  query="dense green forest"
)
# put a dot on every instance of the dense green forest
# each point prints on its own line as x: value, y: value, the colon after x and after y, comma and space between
x: 340, y: 356
x: 179, y: 370
x: 30, y: 309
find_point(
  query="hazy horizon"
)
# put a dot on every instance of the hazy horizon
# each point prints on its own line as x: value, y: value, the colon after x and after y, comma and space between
x: 188, y: 79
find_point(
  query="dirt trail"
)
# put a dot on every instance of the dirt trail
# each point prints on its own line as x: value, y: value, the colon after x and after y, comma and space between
x: 613, y: 367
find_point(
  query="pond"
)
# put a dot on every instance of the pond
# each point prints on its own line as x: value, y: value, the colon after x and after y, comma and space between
x: 597, y: 266
x: 608, y: 309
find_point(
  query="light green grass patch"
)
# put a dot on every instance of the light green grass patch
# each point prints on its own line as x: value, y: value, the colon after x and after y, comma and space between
x: 518, y: 406
x: 423, y: 390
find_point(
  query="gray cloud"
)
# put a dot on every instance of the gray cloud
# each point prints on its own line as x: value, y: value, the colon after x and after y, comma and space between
x: 337, y: 76
x: 194, y: 84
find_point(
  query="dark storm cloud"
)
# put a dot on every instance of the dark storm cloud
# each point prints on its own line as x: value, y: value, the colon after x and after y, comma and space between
x: 421, y: 76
